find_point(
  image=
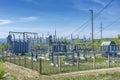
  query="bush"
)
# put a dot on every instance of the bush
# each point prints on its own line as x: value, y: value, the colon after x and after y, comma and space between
x: 118, y: 36
x: 4, y: 75
x: 2, y: 71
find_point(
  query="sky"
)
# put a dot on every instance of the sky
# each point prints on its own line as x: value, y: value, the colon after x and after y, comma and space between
x: 64, y: 16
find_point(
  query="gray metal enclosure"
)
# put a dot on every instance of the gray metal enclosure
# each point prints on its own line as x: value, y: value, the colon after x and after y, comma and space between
x: 109, y: 47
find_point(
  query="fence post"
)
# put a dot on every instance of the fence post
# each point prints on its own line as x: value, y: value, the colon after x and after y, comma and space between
x: 78, y: 60
x: 25, y: 60
x: 59, y: 63
x: 31, y: 62
x: 94, y: 61
x: 14, y: 59
x: 40, y: 67
x: 118, y: 56
x: 2, y: 56
x: 108, y: 60
x: 10, y: 57
x: 6, y: 56
x: 19, y: 60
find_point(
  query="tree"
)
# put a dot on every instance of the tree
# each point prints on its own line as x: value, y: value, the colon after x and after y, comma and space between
x: 118, y: 36
x: 77, y: 42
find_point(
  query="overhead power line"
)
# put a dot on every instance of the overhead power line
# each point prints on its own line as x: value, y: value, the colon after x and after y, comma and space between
x: 101, y: 30
x: 84, y: 28
x: 98, y: 13
x: 112, y: 23
x: 81, y: 26
x: 116, y: 20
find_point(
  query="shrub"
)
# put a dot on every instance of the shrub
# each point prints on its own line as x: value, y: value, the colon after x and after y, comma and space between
x: 2, y: 71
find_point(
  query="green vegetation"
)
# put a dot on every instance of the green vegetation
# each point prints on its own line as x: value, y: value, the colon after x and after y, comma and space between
x: 1, y: 47
x: 47, y: 69
x: 4, y: 75
x: 2, y: 71
x: 103, y: 76
x: 118, y: 36
x: 97, y: 43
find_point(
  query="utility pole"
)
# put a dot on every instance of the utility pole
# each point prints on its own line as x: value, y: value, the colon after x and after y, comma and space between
x: 78, y: 37
x: 101, y: 30
x: 92, y: 38
x: 92, y: 29
x: 55, y: 35
x: 71, y: 36
x: 42, y: 35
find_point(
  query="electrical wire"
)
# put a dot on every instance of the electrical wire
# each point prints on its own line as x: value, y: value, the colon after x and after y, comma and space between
x: 116, y: 20
x: 98, y: 13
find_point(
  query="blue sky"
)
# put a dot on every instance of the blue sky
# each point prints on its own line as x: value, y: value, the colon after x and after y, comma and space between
x: 65, y: 16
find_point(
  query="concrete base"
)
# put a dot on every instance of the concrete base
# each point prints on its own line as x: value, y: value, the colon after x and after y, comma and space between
x: 66, y: 63
x: 56, y: 65
x: 71, y: 64
x: 52, y: 64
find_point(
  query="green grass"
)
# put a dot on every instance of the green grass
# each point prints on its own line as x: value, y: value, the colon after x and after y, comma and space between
x: 103, y: 76
x: 47, y: 69
x: 2, y: 71
x: 4, y: 75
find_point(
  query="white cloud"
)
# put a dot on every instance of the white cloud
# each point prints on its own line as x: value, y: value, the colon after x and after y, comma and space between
x: 27, y: 19
x: 27, y: 0
x: 99, y: 2
x: 3, y: 34
x: 31, y: 1
x: 14, y: 20
x: 3, y: 21
x: 60, y: 32
x: 108, y: 34
x: 85, y: 5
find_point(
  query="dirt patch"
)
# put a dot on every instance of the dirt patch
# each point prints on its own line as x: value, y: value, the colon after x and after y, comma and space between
x: 89, y: 72
x: 27, y: 74
x: 22, y: 73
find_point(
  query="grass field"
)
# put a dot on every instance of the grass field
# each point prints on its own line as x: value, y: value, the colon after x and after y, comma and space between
x: 47, y: 69
x: 102, y: 76
x: 4, y: 75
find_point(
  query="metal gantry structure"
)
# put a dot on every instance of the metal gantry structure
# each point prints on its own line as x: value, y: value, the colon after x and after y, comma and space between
x: 22, y: 44
x: 54, y: 47
x: 51, y: 50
